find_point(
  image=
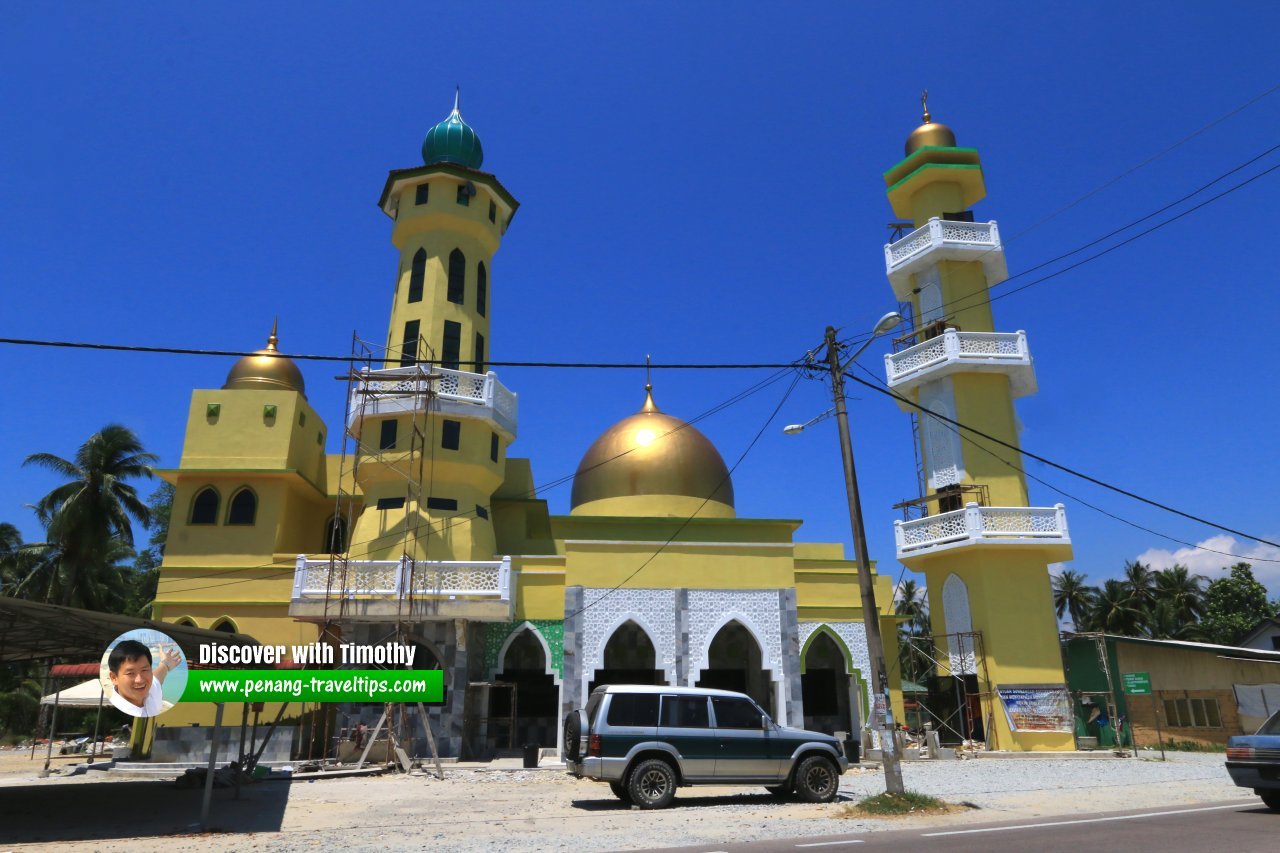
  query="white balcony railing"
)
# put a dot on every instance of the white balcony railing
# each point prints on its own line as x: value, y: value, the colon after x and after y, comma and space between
x: 944, y: 240
x: 963, y: 352
x: 456, y: 392
x: 1013, y: 525
x: 395, y: 579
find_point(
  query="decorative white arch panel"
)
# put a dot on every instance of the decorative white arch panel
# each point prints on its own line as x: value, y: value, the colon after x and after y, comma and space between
x: 930, y: 283
x: 854, y: 635
x: 942, y: 453
x: 955, y: 612
x: 654, y: 610
x: 757, y: 610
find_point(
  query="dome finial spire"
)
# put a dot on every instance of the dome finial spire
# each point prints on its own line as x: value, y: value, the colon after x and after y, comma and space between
x: 649, y: 405
x: 272, y: 338
x: 452, y: 140
x: 924, y: 106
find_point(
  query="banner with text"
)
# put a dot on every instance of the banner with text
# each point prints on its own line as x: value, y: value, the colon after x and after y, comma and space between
x: 337, y: 685
x: 1037, y: 707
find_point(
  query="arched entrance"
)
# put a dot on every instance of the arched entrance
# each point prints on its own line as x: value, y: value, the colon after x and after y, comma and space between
x: 629, y: 658
x: 825, y: 687
x: 735, y: 662
x: 535, y: 693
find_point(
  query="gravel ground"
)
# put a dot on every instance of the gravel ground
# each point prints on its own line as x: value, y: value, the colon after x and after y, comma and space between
x: 547, y: 810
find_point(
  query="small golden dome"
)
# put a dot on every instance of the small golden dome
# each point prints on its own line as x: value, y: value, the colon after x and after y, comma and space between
x: 653, y: 453
x: 931, y: 132
x: 266, y: 370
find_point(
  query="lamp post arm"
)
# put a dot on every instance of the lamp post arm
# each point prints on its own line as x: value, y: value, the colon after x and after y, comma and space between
x: 870, y: 614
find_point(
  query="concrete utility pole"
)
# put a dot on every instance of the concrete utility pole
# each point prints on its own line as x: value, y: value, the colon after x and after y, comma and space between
x: 870, y: 615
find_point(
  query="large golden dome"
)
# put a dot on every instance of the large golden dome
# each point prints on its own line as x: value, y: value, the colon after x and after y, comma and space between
x: 652, y: 464
x: 266, y: 370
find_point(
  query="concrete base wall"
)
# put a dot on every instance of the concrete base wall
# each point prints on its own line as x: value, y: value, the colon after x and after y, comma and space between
x: 191, y: 743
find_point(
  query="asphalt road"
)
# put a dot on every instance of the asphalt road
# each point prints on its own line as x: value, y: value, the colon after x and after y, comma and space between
x: 1218, y: 827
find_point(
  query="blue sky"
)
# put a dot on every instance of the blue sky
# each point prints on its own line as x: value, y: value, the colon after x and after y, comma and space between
x: 698, y: 181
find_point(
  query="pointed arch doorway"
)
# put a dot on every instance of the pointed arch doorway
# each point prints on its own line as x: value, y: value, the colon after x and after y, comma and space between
x: 629, y: 658
x: 734, y: 661
x: 533, y: 700
x: 828, y: 685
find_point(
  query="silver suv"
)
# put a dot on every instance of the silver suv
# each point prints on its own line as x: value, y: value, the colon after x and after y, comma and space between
x: 646, y: 741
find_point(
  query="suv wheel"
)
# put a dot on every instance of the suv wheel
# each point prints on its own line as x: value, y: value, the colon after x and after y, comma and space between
x: 1271, y: 799
x: 652, y: 784
x: 620, y: 791
x: 575, y: 735
x: 816, y: 780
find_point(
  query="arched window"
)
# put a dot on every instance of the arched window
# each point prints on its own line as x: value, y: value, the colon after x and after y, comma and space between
x: 186, y: 621
x: 482, y: 289
x: 457, y: 276
x: 243, y: 508
x: 204, y: 507
x: 417, y: 275
x: 224, y: 625
x: 335, y: 535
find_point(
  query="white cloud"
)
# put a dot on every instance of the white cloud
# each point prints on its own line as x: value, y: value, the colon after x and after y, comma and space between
x: 1211, y: 565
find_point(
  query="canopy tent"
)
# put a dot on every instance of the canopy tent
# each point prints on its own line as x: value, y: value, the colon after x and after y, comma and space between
x: 87, y: 694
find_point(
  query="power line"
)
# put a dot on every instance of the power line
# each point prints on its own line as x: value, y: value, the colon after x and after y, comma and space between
x: 590, y: 365
x: 1073, y: 472
x: 1021, y: 470
x: 1146, y: 162
x: 582, y: 365
x: 986, y: 298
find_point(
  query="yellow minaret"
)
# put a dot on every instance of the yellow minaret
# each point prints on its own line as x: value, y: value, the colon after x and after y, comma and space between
x: 984, y: 552
x: 430, y: 462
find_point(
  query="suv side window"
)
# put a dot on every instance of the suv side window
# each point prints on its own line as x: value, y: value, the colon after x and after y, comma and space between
x: 633, y: 709
x: 686, y: 712
x: 593, y: 707
x: 736, y: 713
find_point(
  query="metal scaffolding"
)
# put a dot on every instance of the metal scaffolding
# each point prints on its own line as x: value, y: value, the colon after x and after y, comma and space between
x: 967, y: 700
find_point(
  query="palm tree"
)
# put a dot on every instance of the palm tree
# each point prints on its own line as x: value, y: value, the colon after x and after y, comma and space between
x: 1182, y: 591
x: 1072, y: 595
x: 1167, y: 623
x: 1116, y: 610
x: 10, y: 545
x: 94, y: 507
x: 1141, y: 582
x: 99, y: 579
x: 911, y: 601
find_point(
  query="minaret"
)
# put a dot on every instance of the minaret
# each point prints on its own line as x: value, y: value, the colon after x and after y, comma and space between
x: 430, y: 464
x: 449, y: 221
x: 984, y: 551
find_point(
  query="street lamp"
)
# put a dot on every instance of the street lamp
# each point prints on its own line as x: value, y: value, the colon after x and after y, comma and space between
x: 870, y: 615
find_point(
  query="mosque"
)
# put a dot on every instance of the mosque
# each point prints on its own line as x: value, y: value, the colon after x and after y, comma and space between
x: 424, y: 527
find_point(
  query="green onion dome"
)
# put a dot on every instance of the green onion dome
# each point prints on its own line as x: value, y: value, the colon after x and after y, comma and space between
x: 453, y: 141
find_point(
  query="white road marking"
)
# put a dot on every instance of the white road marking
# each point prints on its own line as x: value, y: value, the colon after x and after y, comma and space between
x: 829, y: 843
x: 1081, y: 820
